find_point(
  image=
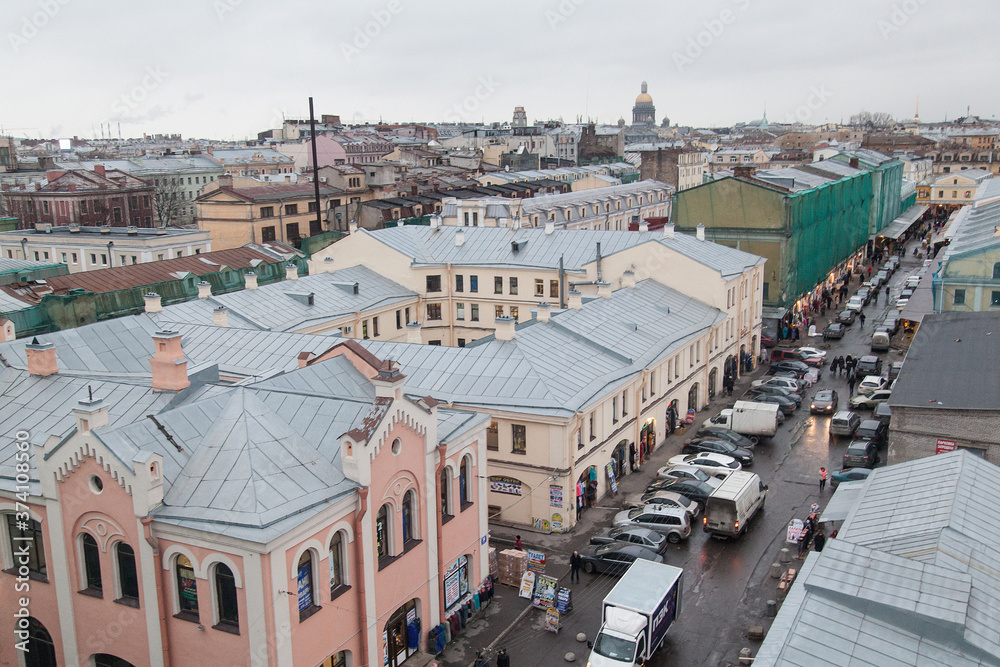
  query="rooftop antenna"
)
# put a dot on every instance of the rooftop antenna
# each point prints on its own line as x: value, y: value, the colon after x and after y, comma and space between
x: 90, y: 393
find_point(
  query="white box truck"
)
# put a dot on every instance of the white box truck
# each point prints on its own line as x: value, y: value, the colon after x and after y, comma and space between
x: 731, y: 506
x: 636, y: 615
x: 754, y: 420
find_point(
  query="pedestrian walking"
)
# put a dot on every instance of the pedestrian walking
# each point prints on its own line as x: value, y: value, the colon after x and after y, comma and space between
x: 887, y: 295
x: 517, y: 543
x: 850, y: 383
x: 819, y: 541
x: 822, y: 481
x: 503, y: 660
x: 861, y: 318
x: 574, y: 567
x: 875, y: 299
x: 849, y: 364
x: 841, y: 366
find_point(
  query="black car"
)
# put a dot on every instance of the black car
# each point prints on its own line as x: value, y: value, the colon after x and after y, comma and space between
x: 719, y: 433
x: 882, y: 412
x: 716, y: 446
x: 615, y: 558
x: 891, y: 322
x: 786, y: 405
x: 868, y: 365
x: 765, y: 390
x: 799, y: 368
x: 847, y: 317
x: 689, y: 488
x: 644, y: 537
x: 872, y: 429
x: 864, y: 294
x: 861, y: 454
x: 834, y: 330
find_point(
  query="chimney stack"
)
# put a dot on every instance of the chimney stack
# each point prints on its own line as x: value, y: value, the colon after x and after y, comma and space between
x: 291, y: 272
x: 250, y: 280
x: 154, y: 303
x: 628, y: 279
x: 352, y: 227
x: 604, y: 290
x: 220, y: 316
x: 204, y: 289
x: 550, y: 227
x: 575, y: 301
x: 543, y: 312
x: 504, y: 328
x: 90, y: 415
x: 643, y: 226
x: 700, y: 233
x: 389, y: 381
x: 168, y: 363
x: 668, y: 230
x: 459, y: 238
x: 99, y: 170
x: 854, y: 162
x: 413, y: 333
x: 41, y: 358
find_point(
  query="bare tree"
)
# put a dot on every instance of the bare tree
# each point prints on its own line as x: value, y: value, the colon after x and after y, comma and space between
x: 873, y: 120
x: 167, y: 200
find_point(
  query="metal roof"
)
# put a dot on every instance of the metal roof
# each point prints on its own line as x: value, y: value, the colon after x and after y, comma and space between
x: 953, y: 364
x: 903, y: 222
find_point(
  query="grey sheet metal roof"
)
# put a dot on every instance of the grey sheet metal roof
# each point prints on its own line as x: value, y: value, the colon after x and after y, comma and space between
x: 284, y: 306
x: 491, y: 246
x: 974, y: 229
x: 9, y: 264
x: 903, y: 221
x: 952, y: 364
x: 11, y: 304
x: 911, y: 579
x: 451, y: 423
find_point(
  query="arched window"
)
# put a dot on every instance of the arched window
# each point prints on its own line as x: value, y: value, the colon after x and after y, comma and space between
x: 305, y: 577
x: 410, y: 520
x: 91, y: 563
x: 128, y: 582
x: 226, y: 606
x: 383, y: 532
x: 446, y: 508
x: 187, y: 589
x: 106, y: 660
x: 338, y: 564
x: 465, y: 483
x: 41, y: 651
x: 996, y: 271
x: 18, y: 535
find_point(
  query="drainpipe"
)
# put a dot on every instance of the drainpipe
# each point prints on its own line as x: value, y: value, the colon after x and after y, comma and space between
x: 359, y: 558
x: 562, y: 283
x: 598, y: 262
x: 147, y: 532
x: 442, y: 459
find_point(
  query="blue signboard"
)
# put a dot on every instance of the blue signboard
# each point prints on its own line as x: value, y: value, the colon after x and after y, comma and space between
x: 305, y: 587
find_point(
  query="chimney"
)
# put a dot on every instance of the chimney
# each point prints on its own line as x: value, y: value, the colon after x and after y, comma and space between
x: 204, y: 289
x: 220, y: 316
x: 643, y: 226
x: 226, y: 181
x: 250, y: 280
x: 168, y: 363
x: 628, y: 279
x: 389, y: 381
x: 504, y: 328
x: 700, y: 233
x: 744, y: 171
x: 99, y: 170
x: 41, y: 358
x: 550, y: 227
x: 854, y: 162
x: 575, y: 300
x: 435, y: 221
x: 543, y: 312
x: 459, y: 238
x: 352, y: 227
x: 53, y: 174
x: 6, y: 330
x: 413, y: 333
x: 90, y: 415
x: 210, y: 150
x: 668, y: 230
x: 305, y: 357
x: 604, y: 290
x: 291, y: 272
x: 154, y: 303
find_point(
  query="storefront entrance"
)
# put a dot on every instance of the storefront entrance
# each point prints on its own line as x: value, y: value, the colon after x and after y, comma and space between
x: 403, y: 625
x: 671, y: 417
x: 713, y: 378
x: 586, y: 490
x: 618, y: 459
x: 693, y: 400
x: 647, y: 439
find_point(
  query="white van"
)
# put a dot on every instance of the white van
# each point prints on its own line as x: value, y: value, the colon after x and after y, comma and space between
x: 880, y: 341
x: 731, y: 506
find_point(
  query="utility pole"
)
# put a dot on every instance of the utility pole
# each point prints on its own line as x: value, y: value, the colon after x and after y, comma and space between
x: 312, y: 131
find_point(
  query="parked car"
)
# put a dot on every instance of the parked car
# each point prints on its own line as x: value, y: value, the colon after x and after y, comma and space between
x: 891, y: 322
x: 667, y: 498
x: 813, y: 352
x: 715, y: 446
x: 869, y: 365
x: 869, y: 402
x: 849, y: 475
x: 847, y: 317
x: 615, y: 558
x: 912, y: 282
x: 716, y: 465
x: 718, y: 433
x: 894, y: 369
x: 673, y: 522
x: 770, y: 390
x: 693, y: 489
x: 844, y: 423
x: 685, y: 472
x: 855, y: 303
x: 786, y: 405
x: 795, y: 354
x: 864, y: 294
x: 834, y: 330
x: 644, y: 537
x: 901, y: 303
x: 797, y: 367
x: 791, y: 384
x: 768, y: 339
x: 874, y: 430
x: 824, y: 402
x: 906, y: 293
x: 861, y: 454
x: 882, y: 412
x: 870, y: 384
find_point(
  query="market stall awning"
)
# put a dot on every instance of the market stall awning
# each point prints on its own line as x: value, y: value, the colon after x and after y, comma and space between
x: 901, y: 224
x: 843, y: 501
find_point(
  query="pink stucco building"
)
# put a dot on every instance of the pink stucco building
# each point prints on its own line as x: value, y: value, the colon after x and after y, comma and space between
x: 162, y: 517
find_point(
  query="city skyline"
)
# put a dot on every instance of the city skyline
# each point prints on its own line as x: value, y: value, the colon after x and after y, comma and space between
x: 227, y: 69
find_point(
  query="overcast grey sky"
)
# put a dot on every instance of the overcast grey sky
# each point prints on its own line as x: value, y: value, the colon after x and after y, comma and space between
x: 229, y: 68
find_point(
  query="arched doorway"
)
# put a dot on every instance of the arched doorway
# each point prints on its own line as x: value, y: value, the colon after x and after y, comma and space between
x: 108, y: 660
x: 41, y: 651
x: 403, y: 622
x: 673, y: 413
x: 586, y: 490
x: 746, y: 360
x: 693, y: 399
x: 713, y: 378
x: 618, y: 458
x: 731, y: 367
x: 647, y: 439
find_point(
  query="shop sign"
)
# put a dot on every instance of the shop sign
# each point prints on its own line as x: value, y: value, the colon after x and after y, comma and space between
x: 527, y: 585
x: 555, y: 496
x: 557, y: 522
x: 795, y: 528
x: 536, y: 561
x: 503, y: 484
x: 610, y: 469
x: 945, y: 446
x: 305, y: 586
x: 552, y: 619
x: 545, y: 592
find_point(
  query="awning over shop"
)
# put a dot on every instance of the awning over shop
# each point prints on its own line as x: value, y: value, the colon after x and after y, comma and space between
x: 898, y: 227
x: 773, y: 312
x: 922, y: 301
x: 948, y: 230
x: 843, y: 501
